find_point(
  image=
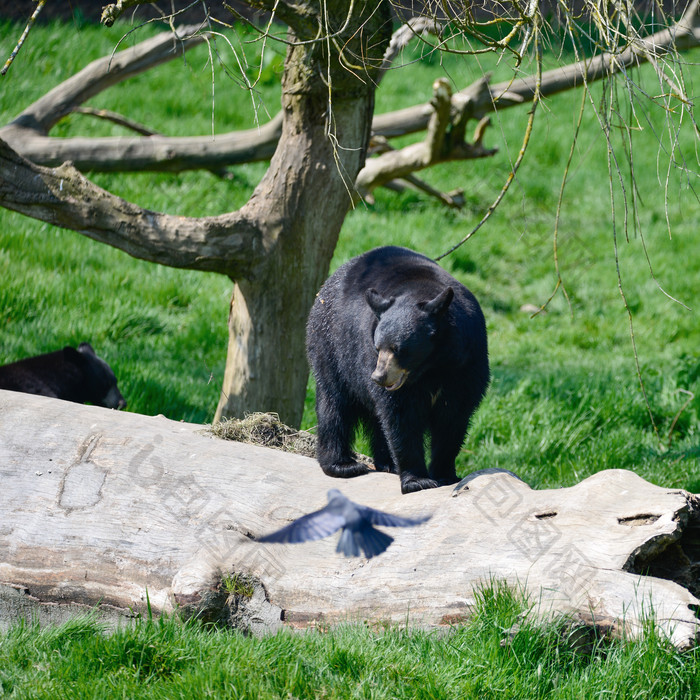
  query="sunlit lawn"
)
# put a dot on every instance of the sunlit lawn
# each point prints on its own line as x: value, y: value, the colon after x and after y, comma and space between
x: 565, y: 400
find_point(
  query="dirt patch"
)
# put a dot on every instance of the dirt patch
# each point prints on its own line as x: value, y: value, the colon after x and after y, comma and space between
x: 82, y: 11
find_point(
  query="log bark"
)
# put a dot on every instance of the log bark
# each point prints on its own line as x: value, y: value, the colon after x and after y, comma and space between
x: 120, y: 511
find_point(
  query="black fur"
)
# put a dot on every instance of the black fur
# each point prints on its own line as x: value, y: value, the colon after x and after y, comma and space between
x: 395, y: 299
x: 73, y: 375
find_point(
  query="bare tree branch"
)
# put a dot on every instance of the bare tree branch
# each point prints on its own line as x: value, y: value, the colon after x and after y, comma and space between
x: 444, y: 142
x: 453, y: 199
x: 118, y: 119
x: 230, y: 244
x: 103, y: 73
x: 27, y: 133
x: 402, y: 37
x: 26, y: 31
x: 683, y: 35
x: 153, y: 153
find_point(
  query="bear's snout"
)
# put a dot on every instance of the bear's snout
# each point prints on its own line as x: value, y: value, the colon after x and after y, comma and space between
x: 388, y: 372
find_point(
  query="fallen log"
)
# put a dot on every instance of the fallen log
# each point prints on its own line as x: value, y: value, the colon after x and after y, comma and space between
x: 128, y: 514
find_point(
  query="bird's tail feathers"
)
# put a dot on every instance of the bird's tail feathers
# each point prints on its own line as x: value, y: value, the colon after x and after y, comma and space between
x: 368, y: 540
x: 347, y: 544
x: 374, y: 541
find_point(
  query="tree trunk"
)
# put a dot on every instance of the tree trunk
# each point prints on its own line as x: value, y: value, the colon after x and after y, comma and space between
x: 133, y: 514
x: 300, y: 205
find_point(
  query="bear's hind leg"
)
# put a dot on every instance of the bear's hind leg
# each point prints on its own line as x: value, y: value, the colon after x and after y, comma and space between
x: 381, y: 455
x: 336, y: 424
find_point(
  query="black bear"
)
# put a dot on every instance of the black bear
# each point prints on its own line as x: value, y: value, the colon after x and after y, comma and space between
x: 399, y: 345
x: 74, y: 375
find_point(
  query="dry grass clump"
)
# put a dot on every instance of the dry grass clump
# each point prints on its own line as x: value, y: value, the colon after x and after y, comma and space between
x: 267, y: 430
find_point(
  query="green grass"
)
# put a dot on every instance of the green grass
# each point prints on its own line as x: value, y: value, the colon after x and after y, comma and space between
x: 169, y: 659
x: 564, y: 402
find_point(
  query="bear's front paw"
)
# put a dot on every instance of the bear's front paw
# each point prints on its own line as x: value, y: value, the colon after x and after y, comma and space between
x: 346, y: 470
x: 411, y: 483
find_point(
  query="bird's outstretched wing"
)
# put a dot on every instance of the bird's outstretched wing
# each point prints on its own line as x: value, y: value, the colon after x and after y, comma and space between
x: 379, y: 517
x: 314, y: 526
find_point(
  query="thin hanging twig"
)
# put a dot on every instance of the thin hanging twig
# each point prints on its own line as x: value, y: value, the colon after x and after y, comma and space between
x: 521, y: 154
x: 26, y: 31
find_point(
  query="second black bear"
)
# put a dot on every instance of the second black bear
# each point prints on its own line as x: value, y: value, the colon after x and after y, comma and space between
x: 398, y: 344
x: 74, y: 375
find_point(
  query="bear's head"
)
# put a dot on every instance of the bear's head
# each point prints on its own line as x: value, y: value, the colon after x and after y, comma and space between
x: 99, y: 382
x: 406, y: 335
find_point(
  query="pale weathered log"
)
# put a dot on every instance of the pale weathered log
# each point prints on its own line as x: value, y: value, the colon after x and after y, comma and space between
x: 117, y: 510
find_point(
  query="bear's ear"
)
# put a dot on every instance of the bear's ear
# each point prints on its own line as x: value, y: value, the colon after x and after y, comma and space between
x: 377, y: 302
x: 70, y: 354
x: 439, y: 305
x: 86, y: 348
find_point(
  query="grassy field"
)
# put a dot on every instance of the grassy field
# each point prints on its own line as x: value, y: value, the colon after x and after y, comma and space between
x: 165, y: 659
x: 565, y: 399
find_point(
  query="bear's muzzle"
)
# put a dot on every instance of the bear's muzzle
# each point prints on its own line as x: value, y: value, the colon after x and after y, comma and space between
x: 388, y: 372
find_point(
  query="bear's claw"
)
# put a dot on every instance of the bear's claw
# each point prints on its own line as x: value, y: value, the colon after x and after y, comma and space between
x: 346, y: 470
x: 411, y: 483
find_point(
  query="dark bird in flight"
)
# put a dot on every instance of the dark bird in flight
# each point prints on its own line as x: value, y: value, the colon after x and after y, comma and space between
x: 356, y: 522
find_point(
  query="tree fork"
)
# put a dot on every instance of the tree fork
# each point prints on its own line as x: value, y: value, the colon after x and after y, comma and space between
x: 301, y: 204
